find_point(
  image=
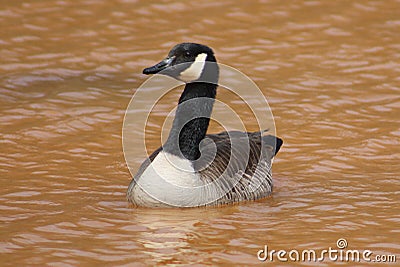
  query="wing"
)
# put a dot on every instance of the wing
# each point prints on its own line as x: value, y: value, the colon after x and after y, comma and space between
x: 238, y: 163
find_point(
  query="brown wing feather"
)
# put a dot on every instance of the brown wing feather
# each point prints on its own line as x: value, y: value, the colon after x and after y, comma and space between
x: 241, y: 165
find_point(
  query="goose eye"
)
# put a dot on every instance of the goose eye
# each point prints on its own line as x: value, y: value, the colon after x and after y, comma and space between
x: 187, y: 54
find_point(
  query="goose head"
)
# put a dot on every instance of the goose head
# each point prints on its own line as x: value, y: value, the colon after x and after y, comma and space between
x: 188, y: 62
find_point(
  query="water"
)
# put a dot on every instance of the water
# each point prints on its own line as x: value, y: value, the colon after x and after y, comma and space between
x: 330, y: 71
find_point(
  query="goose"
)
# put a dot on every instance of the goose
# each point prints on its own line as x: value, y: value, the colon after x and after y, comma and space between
x: 193, y: 168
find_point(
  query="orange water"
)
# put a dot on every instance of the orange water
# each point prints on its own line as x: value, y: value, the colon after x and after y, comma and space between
x: 330, y: 70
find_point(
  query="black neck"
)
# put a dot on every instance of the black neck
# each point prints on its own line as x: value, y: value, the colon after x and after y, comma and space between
x: 191, y: 120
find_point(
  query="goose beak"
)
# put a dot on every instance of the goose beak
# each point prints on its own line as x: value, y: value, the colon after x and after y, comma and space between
x: 162, y: 65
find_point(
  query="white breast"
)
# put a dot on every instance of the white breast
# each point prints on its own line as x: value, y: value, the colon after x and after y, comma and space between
x: 168, y: 181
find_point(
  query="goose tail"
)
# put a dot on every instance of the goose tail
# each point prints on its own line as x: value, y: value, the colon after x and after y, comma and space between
x: 273, y: 141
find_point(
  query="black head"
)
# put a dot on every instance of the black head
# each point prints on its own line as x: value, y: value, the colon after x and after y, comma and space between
x: 185, y: 61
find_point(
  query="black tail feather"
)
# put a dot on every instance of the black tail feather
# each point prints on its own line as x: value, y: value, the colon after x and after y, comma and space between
x: 273, y: 141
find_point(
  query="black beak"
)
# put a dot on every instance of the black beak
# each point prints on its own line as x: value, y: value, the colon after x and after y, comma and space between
x: 159, y: 66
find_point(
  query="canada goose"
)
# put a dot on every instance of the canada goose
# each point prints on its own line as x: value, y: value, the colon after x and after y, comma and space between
x: 194, y: 169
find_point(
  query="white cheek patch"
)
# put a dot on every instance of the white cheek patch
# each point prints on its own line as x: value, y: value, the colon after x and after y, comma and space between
x: 194, y: 71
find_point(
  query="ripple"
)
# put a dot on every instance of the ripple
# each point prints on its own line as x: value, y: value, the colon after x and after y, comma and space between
x: 69, y: 69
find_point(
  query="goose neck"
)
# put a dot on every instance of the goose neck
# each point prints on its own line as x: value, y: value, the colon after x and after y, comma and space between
x: 191, y: 120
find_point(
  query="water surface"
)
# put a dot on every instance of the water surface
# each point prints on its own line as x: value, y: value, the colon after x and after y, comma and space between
x: 68, y: 69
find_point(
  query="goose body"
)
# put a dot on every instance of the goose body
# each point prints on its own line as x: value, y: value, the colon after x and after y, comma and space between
x: 195, y: 169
